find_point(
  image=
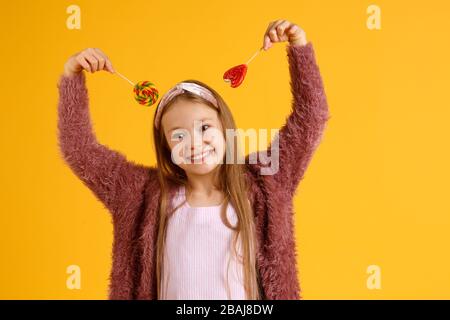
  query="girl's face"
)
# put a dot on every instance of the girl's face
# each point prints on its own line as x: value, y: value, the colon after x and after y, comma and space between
x: 195, y: 136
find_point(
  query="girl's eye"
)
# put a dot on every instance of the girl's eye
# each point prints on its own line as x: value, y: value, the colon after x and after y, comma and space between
x: 205, y: 125
x: 177, y: 136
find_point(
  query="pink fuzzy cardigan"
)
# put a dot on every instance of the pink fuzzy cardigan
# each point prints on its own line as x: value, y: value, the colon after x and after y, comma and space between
x: 131, y: 191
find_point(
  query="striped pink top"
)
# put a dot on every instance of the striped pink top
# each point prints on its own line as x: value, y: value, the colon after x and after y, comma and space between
x: 198, y: 246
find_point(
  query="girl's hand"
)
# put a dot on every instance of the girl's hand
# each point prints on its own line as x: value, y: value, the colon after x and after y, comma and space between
x: 90, y: 59
x: 283, y: 30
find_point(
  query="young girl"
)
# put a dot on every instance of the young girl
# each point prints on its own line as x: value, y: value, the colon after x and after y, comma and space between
x: 198, y: 226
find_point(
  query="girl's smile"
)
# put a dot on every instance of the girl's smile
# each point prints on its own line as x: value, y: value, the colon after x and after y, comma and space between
x: 205, y: 154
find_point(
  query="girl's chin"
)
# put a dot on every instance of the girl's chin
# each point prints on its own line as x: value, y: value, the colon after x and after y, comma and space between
x: 210, y: 162
x: 199, y: 169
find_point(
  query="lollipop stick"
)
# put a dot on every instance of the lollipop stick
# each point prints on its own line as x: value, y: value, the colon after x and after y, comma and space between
x: 125, y: 78
x: 254, y: 55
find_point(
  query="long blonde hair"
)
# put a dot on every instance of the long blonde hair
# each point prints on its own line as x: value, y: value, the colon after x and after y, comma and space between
x: 232, y: 182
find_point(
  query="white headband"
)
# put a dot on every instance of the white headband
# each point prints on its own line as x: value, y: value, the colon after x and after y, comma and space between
x: 180, y: 88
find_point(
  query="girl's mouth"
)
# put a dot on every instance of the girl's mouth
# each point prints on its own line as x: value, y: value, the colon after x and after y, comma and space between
x: 201, y: 156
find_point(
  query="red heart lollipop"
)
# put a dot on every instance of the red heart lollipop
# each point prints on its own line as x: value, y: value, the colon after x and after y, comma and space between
x: 235, y: 75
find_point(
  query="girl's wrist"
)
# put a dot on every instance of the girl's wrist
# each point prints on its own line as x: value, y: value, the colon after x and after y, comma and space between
x: 298, y: 39
x: 68, y: 73
x: 298, y: 42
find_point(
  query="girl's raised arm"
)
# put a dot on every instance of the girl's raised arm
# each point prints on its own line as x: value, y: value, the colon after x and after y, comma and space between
x: 109, y: 175
x: 300, y: 135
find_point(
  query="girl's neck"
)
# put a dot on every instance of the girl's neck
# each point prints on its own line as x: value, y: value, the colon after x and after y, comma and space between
x: 203, y: 191
x: 202, y: 184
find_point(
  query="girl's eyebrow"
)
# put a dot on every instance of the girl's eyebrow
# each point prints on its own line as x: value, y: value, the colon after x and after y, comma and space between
x: 203, y: 119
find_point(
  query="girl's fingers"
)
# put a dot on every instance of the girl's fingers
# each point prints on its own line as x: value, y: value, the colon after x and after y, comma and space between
x: 267, y: 43
x: 108, y: 63
x: 82, y: 61
x: 92, y: 61
x: 273, y: 35
x: 274, y: 30
x: 292, y: 30
x: 109, y: 66
x: 276, y: 27
x: 281, y: 30
x: 296, y: 34
x: 270, y: 26
x: 101, y: 60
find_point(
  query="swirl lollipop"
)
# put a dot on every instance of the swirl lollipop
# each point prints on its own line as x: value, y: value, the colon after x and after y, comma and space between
x: 145, y: 92
x: 236, y: 75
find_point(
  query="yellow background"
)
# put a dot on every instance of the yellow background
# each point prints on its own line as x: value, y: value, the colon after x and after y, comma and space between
x: 376, y: 192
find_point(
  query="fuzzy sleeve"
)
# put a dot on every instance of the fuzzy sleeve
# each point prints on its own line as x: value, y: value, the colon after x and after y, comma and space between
x: 107, y: 173
x: 301, y: 134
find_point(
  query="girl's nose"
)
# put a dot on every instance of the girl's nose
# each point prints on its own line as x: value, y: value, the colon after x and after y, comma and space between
x: 196, y: 141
